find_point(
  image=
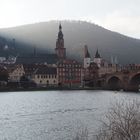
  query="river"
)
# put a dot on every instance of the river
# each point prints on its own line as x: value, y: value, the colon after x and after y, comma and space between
x: 54, y: 115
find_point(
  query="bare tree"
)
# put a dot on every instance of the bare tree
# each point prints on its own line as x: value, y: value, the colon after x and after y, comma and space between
x: 121, y: 122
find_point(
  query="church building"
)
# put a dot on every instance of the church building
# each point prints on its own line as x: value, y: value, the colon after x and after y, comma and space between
x: 69, y: 70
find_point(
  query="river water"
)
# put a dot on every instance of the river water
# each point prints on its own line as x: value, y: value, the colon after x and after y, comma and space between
x: 54, y: 115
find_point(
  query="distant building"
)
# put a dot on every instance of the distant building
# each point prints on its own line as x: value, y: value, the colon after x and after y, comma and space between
x: 15, y: 72
x: 87, y: 59
x: 94, y: 71
x: 60, y: 50
x: 69, y: 72
x: 41, y: 74
x: 90, y: 70
x: 45, y: 76
x: 104, y: 66
x: 29, y: 69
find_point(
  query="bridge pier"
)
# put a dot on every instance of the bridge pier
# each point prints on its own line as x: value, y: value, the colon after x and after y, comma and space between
x: 133, y: 88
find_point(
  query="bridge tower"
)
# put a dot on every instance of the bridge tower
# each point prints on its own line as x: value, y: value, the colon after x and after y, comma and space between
x: 87, y: 58
x: 97, y: 59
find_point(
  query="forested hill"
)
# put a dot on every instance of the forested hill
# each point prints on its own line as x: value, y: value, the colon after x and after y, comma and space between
x: 76, y: 35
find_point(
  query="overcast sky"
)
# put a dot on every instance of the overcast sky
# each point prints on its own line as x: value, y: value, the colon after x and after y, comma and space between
x: 118, y: 15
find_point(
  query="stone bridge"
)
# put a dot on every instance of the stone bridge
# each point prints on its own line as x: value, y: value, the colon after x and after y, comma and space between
x: 126, y: 80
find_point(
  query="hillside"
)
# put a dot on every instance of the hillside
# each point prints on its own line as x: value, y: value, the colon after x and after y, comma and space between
x: 76, y: 34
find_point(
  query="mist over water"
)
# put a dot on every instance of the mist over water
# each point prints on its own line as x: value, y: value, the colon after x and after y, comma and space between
x: 54, y: 115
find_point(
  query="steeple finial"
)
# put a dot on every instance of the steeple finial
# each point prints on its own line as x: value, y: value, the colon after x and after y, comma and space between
x: 60, y: 34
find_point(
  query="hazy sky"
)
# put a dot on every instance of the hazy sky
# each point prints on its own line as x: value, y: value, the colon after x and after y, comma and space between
x: 118, y: 15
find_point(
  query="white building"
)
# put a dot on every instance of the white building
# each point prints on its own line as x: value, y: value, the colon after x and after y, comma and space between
x: 45, y: 76
x: 15, y: 72
x: 87, y: 59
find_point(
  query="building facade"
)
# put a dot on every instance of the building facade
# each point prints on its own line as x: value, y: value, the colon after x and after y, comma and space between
x: 69, y: 72
x: 45, y: 76
x: 15, y: 72
x: 41, y: 74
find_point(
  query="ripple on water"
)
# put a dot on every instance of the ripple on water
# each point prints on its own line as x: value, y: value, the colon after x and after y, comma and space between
x: 53, y: 115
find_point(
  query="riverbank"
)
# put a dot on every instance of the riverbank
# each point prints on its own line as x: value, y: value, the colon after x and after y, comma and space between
x: 7, y: 89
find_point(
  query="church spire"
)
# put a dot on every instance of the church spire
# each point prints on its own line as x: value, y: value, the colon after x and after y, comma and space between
x: 87, y: 55
x: 60, y: 34
x: 97, y: 55
x: 60, y: 27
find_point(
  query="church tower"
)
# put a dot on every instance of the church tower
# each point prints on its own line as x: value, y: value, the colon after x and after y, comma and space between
x: 60, y: 50
x: 87, y: 58
x: 97, y: 59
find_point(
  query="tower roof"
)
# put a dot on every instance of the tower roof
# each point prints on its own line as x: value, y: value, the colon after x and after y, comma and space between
x: 97, y: 55
x: 87, y: 55
x: 60, y: 27
x: 60, y: 34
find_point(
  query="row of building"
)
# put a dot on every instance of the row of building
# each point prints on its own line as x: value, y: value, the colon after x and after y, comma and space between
x: 66, y: 72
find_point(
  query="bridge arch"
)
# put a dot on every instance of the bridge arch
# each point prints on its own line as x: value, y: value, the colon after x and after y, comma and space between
x: 134, y: 82
x: 114, y: 83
